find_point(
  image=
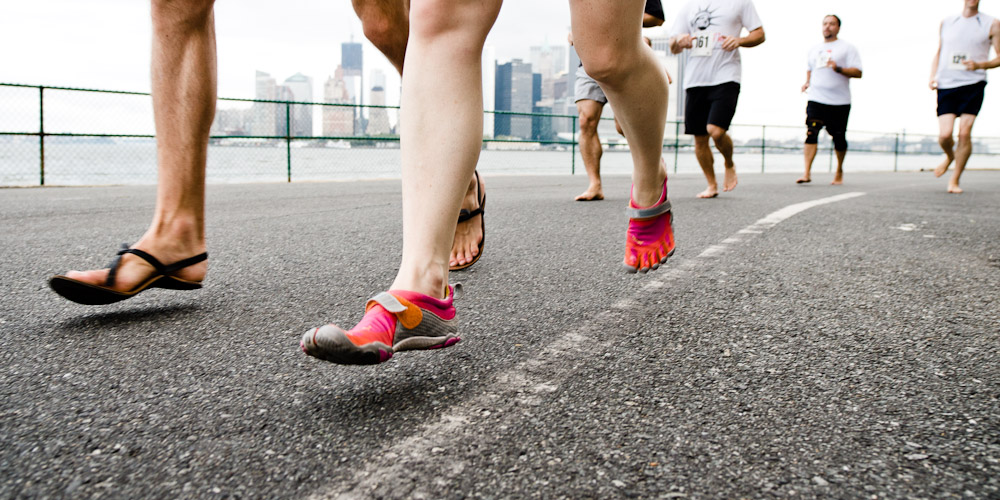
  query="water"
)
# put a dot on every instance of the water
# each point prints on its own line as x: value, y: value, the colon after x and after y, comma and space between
x: 134, y: 162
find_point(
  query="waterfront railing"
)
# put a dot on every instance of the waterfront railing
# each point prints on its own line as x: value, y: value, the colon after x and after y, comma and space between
x: 76, y: 136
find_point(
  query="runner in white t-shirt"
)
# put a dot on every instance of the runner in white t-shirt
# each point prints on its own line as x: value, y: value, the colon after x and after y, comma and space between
x: 829, y: 69
x: 710, y: 32
x: 958, y: 74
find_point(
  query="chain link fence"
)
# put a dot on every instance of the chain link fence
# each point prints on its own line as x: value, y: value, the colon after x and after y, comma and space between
x: 68, y: 136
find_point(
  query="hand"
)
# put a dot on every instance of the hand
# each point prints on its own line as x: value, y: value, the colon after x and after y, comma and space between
x: 569, y: 37
x: 971, y: 65
x: 805, y: 87
x: 933, y: 85
x: 729, y: 43
x: 670, y: 79
x: 685, y: 41
x: 831, y: 64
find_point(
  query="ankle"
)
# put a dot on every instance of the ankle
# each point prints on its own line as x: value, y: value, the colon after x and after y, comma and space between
x: 430, y: 280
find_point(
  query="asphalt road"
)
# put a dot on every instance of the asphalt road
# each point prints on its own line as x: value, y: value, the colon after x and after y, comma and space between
x: 844, y: 349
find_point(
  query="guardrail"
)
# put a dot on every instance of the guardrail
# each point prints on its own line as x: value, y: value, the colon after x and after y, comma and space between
x: 89, y: 149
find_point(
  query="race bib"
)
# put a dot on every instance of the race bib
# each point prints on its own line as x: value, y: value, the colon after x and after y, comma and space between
x: 957, y: 60
x: 823, y: 59
x: 702, y: 43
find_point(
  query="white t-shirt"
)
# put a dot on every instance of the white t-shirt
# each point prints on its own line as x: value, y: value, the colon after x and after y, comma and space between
x: 826, y: 86
x: 706, y: 20
x: 963, y: 39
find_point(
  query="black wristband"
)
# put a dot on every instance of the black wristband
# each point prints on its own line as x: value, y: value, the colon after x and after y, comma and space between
x: 838, y: 69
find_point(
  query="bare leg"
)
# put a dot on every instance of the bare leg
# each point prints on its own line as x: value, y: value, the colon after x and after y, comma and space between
x: 725, y: 146
x: 962, y: 152
x: 810, y: 154
x: 838, y: 178
x: 703, y: 152
x: 184, y: 92
x: 946, y: 124
x: 387, y: 25
x: 609, y: 40
x: 439, y: 155
x: 590, y: 147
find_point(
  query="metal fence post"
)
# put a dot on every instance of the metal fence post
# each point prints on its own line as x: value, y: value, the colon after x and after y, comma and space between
x: 763, y: 145
x: 41, y: 135
x: 895, y: 159
x: 829, y: 165
x: 677, y: 143
x: 288, y: 138
x: 572, y: 166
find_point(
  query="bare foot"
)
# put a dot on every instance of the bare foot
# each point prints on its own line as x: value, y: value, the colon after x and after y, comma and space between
x: 803, y: 180
x: 954, y: 189
x: 730, y: 182
x: 710, y: 192
x: 133, y: 270
x: 943, y: 167
x: 468, y: 233
x: 593, y: 193
x: 837, y: 180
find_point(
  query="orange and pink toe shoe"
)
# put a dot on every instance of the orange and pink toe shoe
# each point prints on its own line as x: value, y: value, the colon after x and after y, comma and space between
x: 649, y: 241
x: 394, y: 321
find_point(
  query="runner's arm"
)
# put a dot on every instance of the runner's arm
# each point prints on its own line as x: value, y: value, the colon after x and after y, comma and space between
x: 808, y: 79
x: 934, y: 65
x: 679, y: 43
x: 995, y: 41
x: 753, y: 39
x: 848, y: 72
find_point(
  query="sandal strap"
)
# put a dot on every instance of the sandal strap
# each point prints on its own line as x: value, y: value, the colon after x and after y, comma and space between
x: 646, y: 213
x: 464, y: 215
x: 161, y: 270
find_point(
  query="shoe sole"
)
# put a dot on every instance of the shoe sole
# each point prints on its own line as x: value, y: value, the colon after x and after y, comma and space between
x: 330, y: 343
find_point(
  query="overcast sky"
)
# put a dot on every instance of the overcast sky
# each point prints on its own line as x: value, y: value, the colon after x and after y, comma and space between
x: 106, y: 44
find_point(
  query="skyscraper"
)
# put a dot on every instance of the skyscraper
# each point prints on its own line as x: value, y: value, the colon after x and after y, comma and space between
x: 352, y: 61
x: 264, y: 115
x: 301, y: 90
x: 337, y: 120
x: 513, y: 93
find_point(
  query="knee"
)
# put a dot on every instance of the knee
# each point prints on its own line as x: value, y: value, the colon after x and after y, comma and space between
x: 701, y: 141
x: 945, y: 139
x: 588, y: 123
x: 717, y: 133
x: 964, y: 137
x: 465, y: 24
x: 181, y: 12
x: 605, y: 64
x: 840, y: 142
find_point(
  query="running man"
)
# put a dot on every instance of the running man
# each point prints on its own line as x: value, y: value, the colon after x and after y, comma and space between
x: 830, y: 67
x: 710, y: 31
x: 590, y: 101
x: 959, y: 76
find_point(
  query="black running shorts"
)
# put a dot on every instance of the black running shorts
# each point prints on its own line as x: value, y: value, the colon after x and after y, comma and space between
x: 965, y: 100
x: 714, y: 105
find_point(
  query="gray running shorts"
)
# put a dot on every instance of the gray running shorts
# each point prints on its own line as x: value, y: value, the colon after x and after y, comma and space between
x: 587, y: 88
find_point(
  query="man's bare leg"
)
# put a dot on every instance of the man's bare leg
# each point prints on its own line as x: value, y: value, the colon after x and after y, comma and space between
x: 810, y: 155
x: 443, y: 60
x: 725, y: 146
x: 946, y: 124
x: 590, y: 147
x: 703, y: 153
x: 962, y: 152
x: 386, y: 24
x: 184, y: 93
x: 838, y: 178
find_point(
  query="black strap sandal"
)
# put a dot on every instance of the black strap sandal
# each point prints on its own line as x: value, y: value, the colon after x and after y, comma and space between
x: 464, y: 215
x: 86, y: 293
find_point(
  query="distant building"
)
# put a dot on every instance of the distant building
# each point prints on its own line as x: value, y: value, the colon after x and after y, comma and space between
x: 378, y: 118
x: 281, y: 116
x: 235, y: 122
x: 264, y: 116
x: 514, y: 92
x: 338, y: 121
x: 301, y: 87
x: 489, y: 88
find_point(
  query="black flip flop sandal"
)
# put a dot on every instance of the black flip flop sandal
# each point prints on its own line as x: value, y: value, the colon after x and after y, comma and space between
x: 86, y: 293
x: 464, y: 215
